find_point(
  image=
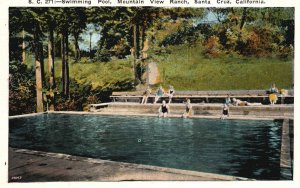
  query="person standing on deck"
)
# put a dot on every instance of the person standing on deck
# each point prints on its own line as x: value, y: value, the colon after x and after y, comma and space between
x: 163, y: 110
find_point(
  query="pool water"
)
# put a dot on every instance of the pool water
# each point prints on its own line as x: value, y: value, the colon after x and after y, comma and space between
x: 247, y: 148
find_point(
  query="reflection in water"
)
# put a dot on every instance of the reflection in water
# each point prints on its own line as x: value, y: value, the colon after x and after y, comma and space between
x: 241, y: 148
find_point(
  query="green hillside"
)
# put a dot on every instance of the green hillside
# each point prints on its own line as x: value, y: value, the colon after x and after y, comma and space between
x: 187, y: 69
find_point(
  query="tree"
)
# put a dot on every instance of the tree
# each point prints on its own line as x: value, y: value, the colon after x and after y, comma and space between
x: 50, y: 26
x: 253, y: 31
x: 63, y: 27
x: 78, y: 19
x: 39, y: 58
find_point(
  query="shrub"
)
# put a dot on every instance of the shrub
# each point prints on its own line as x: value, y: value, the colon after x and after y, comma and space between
x: 21, y: 89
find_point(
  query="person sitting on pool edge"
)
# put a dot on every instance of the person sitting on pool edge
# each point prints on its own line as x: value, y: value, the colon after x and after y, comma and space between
x: 225, y: 111
x: 228, y: 100
x: 273, y: 91
x: 159, y: 93
x: 171, y: 93
x: 188, y: 109
x: 163, y: 110
x: 146, y: 94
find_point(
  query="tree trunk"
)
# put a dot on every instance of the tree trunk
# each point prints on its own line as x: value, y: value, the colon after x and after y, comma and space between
x: 67, y: 81
x: 51, y: 69
x: 77, y: 49
x: 138, y: 41
x: 39, y: 67
x: 23, y: 48
x: 135, y: 54
x: 143, y: 36
x: 243, y: 20
x: 91, y: 46
x: 233, y: 13
x: 63, y: 63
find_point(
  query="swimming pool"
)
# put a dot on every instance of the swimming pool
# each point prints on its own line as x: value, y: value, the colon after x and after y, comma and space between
x: 246, y: 148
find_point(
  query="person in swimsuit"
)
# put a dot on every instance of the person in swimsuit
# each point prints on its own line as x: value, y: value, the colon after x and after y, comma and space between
x: 273, y: 91
x: 146, y: 94
x: 163, y: 110
x: 228, y: 100
x: 238, y: 102
x: 159, y: 93
x: 171, y: 93
x: 225, y: 111
x: 188, y: 109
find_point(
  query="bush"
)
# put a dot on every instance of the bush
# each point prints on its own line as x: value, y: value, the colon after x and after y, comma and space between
x: 21, y: 89
x: 103, y: 56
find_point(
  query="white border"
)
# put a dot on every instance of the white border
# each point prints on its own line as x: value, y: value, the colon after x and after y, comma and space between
x: 4, y: 4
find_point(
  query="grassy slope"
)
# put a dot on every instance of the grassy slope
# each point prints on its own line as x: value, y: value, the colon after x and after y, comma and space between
x: 187, y: 69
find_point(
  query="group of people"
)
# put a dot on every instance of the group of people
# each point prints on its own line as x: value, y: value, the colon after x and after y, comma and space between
x: 164, y: 109
x: 273, y: 92
x: 159, y: 93
x: 235, y: 102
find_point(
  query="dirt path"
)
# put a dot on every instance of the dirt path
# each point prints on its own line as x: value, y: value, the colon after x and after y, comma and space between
x: 154, y: 76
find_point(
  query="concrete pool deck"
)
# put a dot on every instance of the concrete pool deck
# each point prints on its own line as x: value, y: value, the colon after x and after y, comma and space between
x: 200, y: 110
x: 36, y: 166
x: 208, y: 111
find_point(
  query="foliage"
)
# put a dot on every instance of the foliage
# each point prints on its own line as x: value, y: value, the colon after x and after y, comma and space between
x: 21, y: 89
x: 81, y: 95
x: 259, y: 32
x: 115, y: 75
x: 212, y: 47
x: 244, y: 45
x: 187, y: 34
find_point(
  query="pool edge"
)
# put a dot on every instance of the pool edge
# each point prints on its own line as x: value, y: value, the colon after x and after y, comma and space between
x: 232, y: 117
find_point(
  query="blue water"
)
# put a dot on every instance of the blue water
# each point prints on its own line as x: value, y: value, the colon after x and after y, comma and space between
x: 246, y: 148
